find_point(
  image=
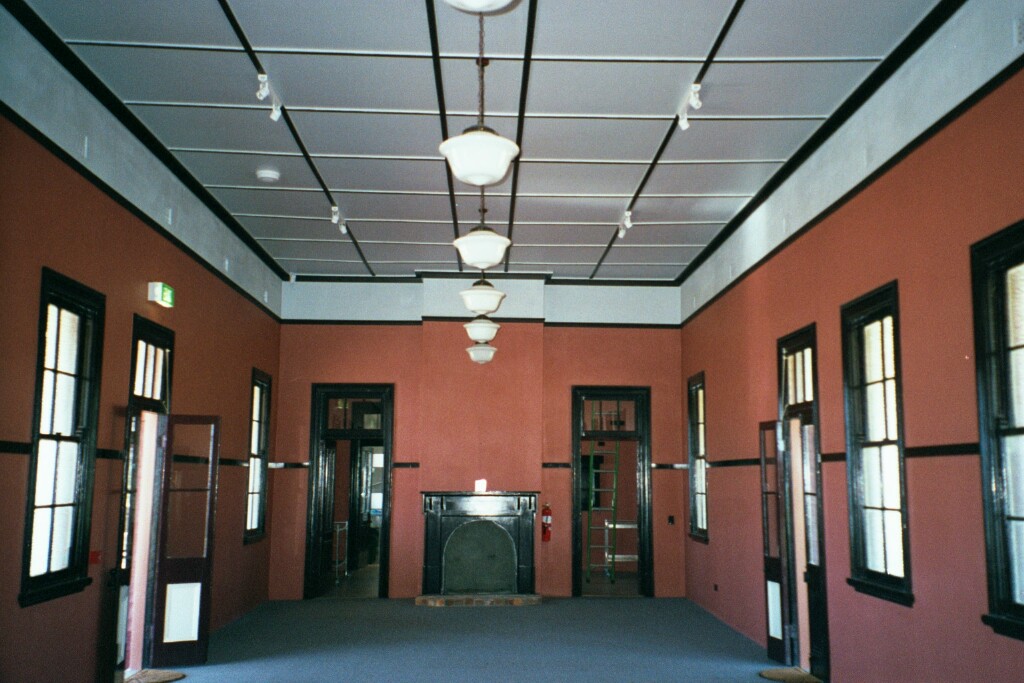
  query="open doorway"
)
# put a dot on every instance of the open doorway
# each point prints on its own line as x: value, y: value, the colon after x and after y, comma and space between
x: 612, y: 554
x: 350, y: 483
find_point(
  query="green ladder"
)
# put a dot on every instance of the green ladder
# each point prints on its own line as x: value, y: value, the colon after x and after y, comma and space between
x: 603, y: 537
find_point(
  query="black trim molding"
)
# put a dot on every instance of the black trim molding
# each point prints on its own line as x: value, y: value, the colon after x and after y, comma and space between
x: 942, y: 450
x: 735, y: 462
x: 833, y: 457
x: 109, y: 454
x: 405, y: 465
x: 557, y: 465
x: 15, y: 447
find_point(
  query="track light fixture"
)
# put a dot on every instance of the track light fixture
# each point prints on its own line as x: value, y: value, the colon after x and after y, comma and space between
x: 335, y: 214
x: 275, y: 110
x: 264, y: 87
x: 625, y: 223
x: 343, y: 227
x: 691, y: 100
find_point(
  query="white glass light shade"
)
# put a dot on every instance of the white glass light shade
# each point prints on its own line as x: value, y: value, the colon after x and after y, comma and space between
x: 482, y: 248
x: 482, y: 329
x: 479, y: 156
x: 481, y: 353
x: 480, y: 6
x: 482, y: 298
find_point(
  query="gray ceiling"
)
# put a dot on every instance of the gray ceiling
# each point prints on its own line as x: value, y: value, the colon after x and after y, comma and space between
x: 357, y: 80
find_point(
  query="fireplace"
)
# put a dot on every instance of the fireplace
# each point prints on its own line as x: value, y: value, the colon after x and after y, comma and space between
x: 478, y: 543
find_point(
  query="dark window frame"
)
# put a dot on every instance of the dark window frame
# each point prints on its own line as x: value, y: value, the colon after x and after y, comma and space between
x: 991, y: 258
x: 855, y: 316
x: 693, y: 385
x: 90, y: 305
x: 265, y: 382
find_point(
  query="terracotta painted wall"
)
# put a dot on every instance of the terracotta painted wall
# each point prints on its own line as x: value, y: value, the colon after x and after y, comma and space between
x: 51, y: 216
x: 463, y: 421
x: 915, y: 225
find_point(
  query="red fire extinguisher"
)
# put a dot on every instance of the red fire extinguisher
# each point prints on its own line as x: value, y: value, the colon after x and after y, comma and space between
x: 545, y: 523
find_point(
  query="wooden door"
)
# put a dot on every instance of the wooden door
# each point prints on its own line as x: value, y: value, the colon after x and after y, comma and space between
x: 180, y: 628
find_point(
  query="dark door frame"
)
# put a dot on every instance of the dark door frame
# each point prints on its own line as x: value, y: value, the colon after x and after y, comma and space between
x: 320, y: 480
x: 805, y: 337
x: 641, y: 396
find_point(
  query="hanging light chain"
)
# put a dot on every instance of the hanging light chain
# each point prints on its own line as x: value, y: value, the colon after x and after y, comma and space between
x: 480, y: 72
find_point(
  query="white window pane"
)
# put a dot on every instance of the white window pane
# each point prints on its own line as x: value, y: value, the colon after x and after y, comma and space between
x: 774, y: 610
x: 67, y: 472
x: 64, y: 406
x: 67, y: 346
x: 808, y: 375
x: 890, y: 410
x: 702, y: 512
x: 250, y: 516
x: 60, y: 553
x: 46, y: 404
x: 253, y: 466
x: 891, y: 477
x: 40, y: 541
x: 874, y: 551
x: 257, y: 394
x: 1016, y: 361
x: 888, y: 347
x: 50, y: 357
x: 873, y: 352
x: 147, y: 387
x: 798, y: 380
x: 894, y: 542
x: 701, y: 446
x: 700, y: 404
x: 811, y: 520
x: 181, y: 612
x: 1015, y: 305
x: 158, y: 374
x: 254, y: 438
x: 1013, y: 462
x: 256, y: 473
x: 46, y: 469
x: 790, y: 380
x: 1015, y: 551
x: 140, y: 367
x: 701, y: 478
x: 874, y: 412
x: 871, y: 477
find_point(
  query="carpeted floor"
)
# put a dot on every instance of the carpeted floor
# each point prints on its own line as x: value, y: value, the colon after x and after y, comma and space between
x: 591, y: 640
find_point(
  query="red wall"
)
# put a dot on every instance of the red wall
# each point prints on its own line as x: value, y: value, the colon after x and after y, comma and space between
x: 54, y: 217
x: 462, y: 421
x: 915, y: 225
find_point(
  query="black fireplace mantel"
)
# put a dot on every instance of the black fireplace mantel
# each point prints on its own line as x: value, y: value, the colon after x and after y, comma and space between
x: 446, y: 511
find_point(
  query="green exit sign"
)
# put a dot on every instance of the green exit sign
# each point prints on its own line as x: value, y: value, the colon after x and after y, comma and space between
x: 161, y: 293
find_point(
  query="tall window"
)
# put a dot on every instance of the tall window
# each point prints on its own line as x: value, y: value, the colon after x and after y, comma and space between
x: 59, y: 503
x: 698, y: 460
x: 880, y: 561
x: 998, y: 265
x: 259, y: 430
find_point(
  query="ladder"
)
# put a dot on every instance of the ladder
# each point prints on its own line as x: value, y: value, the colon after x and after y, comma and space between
x: 602, y: 535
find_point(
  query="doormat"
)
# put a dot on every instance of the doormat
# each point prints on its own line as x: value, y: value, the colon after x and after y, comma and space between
x: 789, y: 674
x: 155, y: 676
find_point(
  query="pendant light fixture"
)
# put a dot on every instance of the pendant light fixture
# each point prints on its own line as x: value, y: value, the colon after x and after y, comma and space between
x: 482, y: 298
x: 482, y: 329
x: 481, y: 247
x: 478, y: 6
x: 481, y: 352
x: 479, y: 156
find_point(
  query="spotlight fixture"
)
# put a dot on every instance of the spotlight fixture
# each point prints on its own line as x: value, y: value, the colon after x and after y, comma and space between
x: 481, y: 247
x: 264, y: 87
x: 481, y: 352
x: 625, y: 223
x: 691, y: 100
x: 482, y: 329
x: 479, y: 156
x: 335, y: 214
x: 480, y: 6
x: 343, y: 227
x: 482, y: 298
x: 275, y: 110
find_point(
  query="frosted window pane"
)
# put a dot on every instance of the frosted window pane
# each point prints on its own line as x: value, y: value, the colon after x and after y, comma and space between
x: 808, y: 375
x: 891, y: 477
x: 700, y: 404
x: 254, y: 438
x: 50, y: 357
x: 64, y: 406
x: 1013, y: 462
x: 60, y: 555
x: 46, y: 467
x: 181, y: 612
x: 875, y: 412
x: 67, y: 348
x: 873, y: 541
x: 147, y: 388
x: 701, y: 450
x: 1017, y: 386
x: 378, y: 457
x: 253, y: 466
x: 890, y: 409
x: 257, y: 393
x: 894, y: 542
x: 376, y: 501
x: 67, y: 472
x: 798, y: 379
x: 873, y: 352
x: 871, y: 474
x: 888, y: 347
x: 1015, y: 305
x: 1015, y: 537
x: 251, y: 514
x: 774, y: 610
x: 140, y: 367
x: 702, y: 512
x: 158, y: 374
x: 811, y: 508
x: 46, y: 404
x: 40, y: 541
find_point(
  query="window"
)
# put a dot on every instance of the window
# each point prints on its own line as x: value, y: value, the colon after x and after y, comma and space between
x: 698, y: 460
x: 259, y: 430
x: 59, y: 503
x: 879, y: 557
x: 998, y: 269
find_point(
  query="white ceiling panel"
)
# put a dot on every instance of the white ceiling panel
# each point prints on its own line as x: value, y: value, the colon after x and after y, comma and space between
x: 503, y: 125
x: 367, y: 26
x: 653, y: 28
x: 569, y: 208
x: 592, y: 139
x: 609, y: 88
x: 383, y: 174
x: 289, y: 228
x: 213, y: 168
x: 274, y: 202
x: 382, y: 253
x: 348, y: 268
x: 741, y: 178
x: 639, y: 272
x: 504, y: 34
x: 712, y: 209
x: 739, y: 140
x: 560, y: 271
x: 553, y: 255
x: 369, y: 134
x: 811, y: 28
x: 623, y: 253
x: 405, y: 269
x: 579, y: 178
x: 403, y: 232
x: 501, y: 86
x: 216, y: 129
x: 562, y: 234
x: 395, y: 207
x: 333, y: 81
x: 780, y: 88
x: 672, y: 234
x: 334, y: 249
x: 161, y: 22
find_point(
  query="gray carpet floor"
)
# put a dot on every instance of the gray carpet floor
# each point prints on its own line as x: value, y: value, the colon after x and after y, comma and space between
x: 585, y: 639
